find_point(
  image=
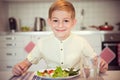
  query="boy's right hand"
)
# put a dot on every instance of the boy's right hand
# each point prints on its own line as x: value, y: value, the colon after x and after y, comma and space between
x: 21, y: 67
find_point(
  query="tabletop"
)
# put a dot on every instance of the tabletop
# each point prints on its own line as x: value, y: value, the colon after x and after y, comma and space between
x: 31, y: 76
x: 6, y: 75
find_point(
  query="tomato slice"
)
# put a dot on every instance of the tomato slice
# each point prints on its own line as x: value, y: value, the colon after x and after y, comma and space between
x: 50, y: 71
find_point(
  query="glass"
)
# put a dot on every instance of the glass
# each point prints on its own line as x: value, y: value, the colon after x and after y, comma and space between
x: 91, y: 68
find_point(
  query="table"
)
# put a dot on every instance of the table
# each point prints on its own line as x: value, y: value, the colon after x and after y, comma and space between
x: 109, y: 75
x: 31, y: 76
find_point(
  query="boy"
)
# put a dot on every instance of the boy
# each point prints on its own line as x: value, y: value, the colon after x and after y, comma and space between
x: 62, y: 48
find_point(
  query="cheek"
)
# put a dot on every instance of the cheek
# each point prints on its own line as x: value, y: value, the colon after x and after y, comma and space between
x: 54, y: 25
x: 69, y: 26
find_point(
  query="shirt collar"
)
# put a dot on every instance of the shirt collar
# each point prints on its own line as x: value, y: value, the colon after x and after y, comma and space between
x: 68, y: 38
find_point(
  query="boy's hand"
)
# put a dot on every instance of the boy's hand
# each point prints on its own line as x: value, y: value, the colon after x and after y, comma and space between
x: 21, y: 67
x: 103, y: 66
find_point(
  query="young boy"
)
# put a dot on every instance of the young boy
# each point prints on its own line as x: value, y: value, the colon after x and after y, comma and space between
x: 62, y: 48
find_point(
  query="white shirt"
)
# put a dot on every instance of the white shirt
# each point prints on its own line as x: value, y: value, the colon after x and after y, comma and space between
x: 67, y: 53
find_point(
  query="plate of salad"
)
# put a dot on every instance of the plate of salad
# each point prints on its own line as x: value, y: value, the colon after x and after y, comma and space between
x: 58, y: 73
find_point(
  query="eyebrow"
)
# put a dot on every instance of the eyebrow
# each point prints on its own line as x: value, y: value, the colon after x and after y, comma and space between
x: 58, y: 18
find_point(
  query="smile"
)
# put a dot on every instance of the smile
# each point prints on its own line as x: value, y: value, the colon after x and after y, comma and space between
x: 60, y: 30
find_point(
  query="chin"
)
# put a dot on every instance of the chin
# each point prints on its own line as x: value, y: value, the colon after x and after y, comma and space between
x: 59, y: 35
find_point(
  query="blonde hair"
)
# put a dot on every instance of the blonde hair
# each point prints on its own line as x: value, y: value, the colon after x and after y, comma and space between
x: 62, y: 5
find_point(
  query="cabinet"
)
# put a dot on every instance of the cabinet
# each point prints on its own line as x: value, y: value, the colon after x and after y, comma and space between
x: 12, y: 50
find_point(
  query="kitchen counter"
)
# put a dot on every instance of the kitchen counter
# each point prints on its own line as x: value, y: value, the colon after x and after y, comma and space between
x: 109, y: 75
x: 48, y: 32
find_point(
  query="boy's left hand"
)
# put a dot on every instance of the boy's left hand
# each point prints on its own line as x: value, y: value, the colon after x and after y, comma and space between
x: 103, y: 66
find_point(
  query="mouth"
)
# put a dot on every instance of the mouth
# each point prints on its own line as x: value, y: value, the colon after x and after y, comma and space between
x: 60, y: 30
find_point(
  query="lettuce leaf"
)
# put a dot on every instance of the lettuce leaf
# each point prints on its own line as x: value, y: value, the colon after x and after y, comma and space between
x: 59, y: 73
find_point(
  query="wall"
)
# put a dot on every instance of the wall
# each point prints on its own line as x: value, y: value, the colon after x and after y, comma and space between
x: 96, y: 12
x: 3, y: 16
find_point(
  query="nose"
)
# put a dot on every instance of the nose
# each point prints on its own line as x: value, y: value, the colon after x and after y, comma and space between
x: 60, y: 24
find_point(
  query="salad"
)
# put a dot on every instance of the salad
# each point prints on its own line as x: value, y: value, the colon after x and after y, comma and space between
x: 58, y: 72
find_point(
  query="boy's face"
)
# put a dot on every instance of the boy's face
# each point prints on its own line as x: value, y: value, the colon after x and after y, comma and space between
x: 61, y: 23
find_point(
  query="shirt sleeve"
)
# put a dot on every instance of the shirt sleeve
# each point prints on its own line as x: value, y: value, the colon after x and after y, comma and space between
x: 34, y: 56
x: 88, y: 51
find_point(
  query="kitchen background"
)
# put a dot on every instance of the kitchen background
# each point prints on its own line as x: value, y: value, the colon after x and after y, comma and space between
x: 96, y: 12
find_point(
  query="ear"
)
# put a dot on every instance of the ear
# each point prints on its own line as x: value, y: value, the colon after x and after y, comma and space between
x: 74, y: 22
x: 49, y: 22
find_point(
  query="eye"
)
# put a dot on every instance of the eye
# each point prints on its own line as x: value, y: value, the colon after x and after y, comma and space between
x: 66, y: 20
x: 55, y: 20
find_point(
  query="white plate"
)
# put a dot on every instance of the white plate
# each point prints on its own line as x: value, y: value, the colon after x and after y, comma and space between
x: 59, y: 78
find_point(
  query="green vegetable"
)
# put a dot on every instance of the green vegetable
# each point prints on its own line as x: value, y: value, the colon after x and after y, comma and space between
x: 25, y: 28
x: 60, y: 73
x: 39, y: 73
x: 72, y: 72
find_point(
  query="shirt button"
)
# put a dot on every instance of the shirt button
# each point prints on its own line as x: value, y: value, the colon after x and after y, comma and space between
x: 61, y: 49
x: 61, y: 62
x: 61, y: 42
